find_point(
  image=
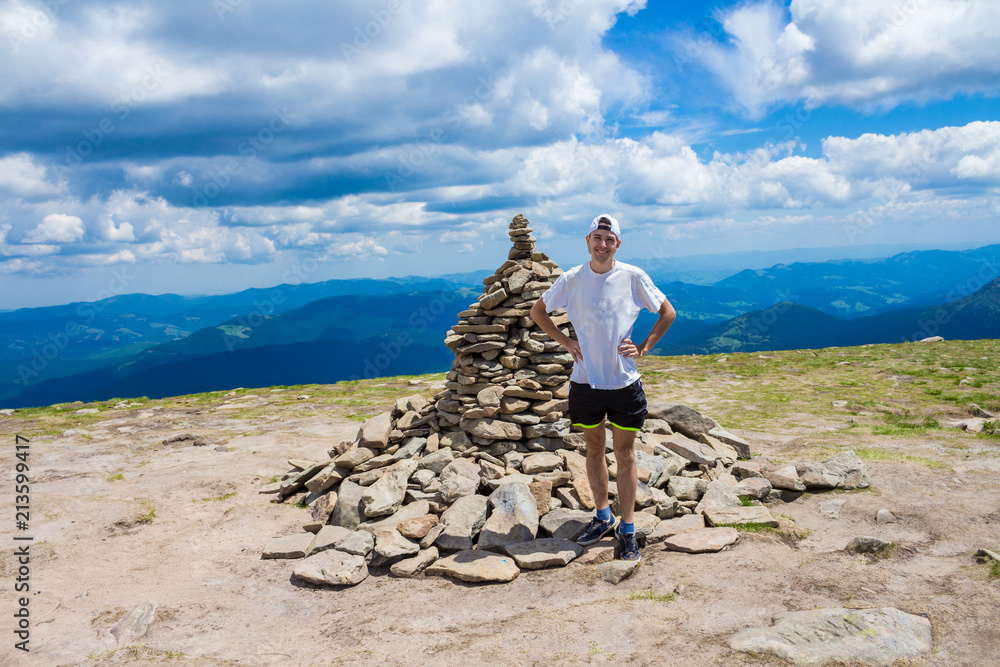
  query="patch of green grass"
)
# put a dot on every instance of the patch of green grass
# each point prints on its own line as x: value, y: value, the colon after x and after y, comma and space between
x: 650, y: 594
x: 148, y: 516
x: 868, y: 454
x: 747, y: 501
x: 994, y: 570
x: 115, y: 477
x: 902, y: 425
x: 212, y: 500
x: 749, y: 527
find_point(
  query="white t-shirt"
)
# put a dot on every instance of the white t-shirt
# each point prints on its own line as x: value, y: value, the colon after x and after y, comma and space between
x: 603, y: 307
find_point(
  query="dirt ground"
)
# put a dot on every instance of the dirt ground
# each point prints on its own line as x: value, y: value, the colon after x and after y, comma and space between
x: 119, y: 518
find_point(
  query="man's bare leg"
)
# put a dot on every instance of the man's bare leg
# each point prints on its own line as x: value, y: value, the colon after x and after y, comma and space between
x: 628, y: 477
x: 597, y: 464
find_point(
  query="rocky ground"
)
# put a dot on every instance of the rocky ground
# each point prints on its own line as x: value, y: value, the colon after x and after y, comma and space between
x: 120, y: 518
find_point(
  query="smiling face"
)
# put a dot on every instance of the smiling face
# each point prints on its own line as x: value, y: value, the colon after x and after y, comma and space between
x: 602, y: 246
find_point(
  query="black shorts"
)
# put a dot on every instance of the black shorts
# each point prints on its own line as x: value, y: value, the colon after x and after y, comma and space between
x: 625, y: 407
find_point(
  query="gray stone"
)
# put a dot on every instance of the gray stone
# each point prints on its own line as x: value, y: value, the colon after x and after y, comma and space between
x: 654, y: 464
x: 686, y: 488
x: 785, y: 478
x: 870, y: 546
x: 855, y: 636
x: 332, y: 567
x: 692, y: 450
x: 427, y: 540
x: 289, y: 546
x: 735, y: 516
x: 321, y: 511
x: 459, y: 478
x: 327, y: 537
x: 375, y: 432
x: 409, y: 511
x: 565, y: 524
x: 457, y: 441
x: 462, y: 522
x: 617, y: 571
x: 134, y: 624
x: 541, y: 462
x: 702, y: 541
x: 386, y: 495
x: 391, y: 546
x: 645, y: 523
x: 544, y: 552
x: 380, y: 461
x: 718, y: 494
x: 741, y: 446
x: 884, y: 516
x: 753, y: 487
x: 556, y: 429
x: 436, y: 461
x: 671, y: 527
x: 412, y: 448
x: 411, y: 567
x: 513, y: 519
x: 817, y: 476
x: 491, y: 429
x: 326, y: 478
x: 354, y: 457
x: 358, y: 543
x: 657, y: 426
x: 682, y: 419
x: 831, y: 508
x: 348, y: 511
x: 475, y: 567
x: 850, y: 469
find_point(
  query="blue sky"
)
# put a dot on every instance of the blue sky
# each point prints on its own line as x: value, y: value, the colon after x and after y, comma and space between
x: 205, y: 146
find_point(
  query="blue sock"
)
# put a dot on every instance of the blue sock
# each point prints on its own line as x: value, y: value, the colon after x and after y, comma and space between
x: 627, y: 528
x: 604, y: 514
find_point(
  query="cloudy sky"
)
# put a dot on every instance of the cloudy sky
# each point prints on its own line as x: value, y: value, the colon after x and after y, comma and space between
x: 205, y: 146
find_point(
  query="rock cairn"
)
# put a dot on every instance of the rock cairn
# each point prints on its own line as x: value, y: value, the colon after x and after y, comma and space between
x: 487, y: 478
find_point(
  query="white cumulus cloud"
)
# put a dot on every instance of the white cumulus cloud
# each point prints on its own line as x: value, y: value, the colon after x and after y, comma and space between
x: 57, y: 228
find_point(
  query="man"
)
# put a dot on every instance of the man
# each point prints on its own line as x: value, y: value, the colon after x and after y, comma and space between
x: 603, y: 298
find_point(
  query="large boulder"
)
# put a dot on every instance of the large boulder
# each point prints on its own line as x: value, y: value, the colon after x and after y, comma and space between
x: 682, y: 419
x: 514, y: 517
x: 462, y: 522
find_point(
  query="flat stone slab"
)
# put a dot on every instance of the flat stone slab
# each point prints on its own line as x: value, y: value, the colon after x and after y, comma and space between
x: 702, y: 541
x: 734, y: 516
x: 332, y: 567
x: 545, y: 552
x: 815, y: 637
x: 475, y: 567
x: 671, y: 527
x: 289, y: 546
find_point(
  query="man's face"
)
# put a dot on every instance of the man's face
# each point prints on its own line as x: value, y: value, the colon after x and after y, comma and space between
x: 602, y: 245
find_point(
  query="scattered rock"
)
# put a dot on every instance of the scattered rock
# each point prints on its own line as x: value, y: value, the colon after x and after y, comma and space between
x: 134, y: 624
x: 332, y: 567
x: 617, y: 571
x: 411, y: 567
x: 702, y: 541
x: 818, y: 636
x: 734, y: 516
x: 684, y: 524
x: 544, y: 552
x: 884, y: 516
x: 475, y: 567
x: 565, y: 524
x: 289, y: 546
x: 869, y: 546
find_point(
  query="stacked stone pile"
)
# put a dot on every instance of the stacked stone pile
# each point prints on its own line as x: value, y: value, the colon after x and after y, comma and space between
x: 487, y: 478
x: 509, y: 382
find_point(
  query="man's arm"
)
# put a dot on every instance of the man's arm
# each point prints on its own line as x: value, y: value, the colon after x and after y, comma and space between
x: 667, y: 315
x: 540, y: 314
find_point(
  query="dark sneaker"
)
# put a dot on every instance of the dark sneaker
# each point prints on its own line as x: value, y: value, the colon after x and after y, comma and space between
x: 628, y: 546
x: 595, y: 531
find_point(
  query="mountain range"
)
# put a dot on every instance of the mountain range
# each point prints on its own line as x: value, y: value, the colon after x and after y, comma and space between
x: 139, y: 344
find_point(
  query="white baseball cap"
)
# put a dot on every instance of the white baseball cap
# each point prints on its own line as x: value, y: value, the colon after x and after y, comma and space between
x: 604, y: 221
